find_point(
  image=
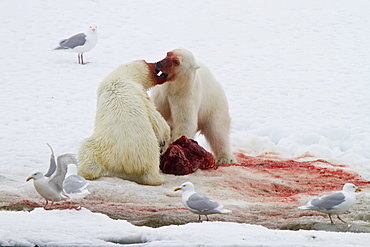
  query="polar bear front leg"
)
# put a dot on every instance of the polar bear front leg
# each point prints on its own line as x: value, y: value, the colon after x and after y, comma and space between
x: 216, y: 133
x: 184, y: 121
x: 160, y: 127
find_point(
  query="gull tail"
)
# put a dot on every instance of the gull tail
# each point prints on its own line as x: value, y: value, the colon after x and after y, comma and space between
x: 61, y: 48
x: 305, y: 207
x: 225, y: 211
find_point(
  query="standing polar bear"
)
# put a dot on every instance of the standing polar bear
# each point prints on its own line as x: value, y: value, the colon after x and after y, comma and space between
x: 193, y: 100
x: 129, y: 132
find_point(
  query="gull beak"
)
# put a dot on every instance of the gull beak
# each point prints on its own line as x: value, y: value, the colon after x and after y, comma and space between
x: 358, y: 189
x: 29, y: 178
x: 176, y: 189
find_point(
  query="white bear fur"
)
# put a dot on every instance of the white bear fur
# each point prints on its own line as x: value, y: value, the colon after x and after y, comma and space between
x: 193, y: 100
x: 129, y: 132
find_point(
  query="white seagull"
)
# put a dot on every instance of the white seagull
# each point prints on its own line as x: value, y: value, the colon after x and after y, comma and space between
x: 336, y: 203
x: 198, y: 203
x: 51, y: 188
x: 80, y: 43
x: 75, y: 186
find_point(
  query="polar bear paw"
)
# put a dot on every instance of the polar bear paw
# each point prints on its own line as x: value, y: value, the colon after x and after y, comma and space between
x: 226, y: 159
x: 90, y: 172
x: 163, y: 145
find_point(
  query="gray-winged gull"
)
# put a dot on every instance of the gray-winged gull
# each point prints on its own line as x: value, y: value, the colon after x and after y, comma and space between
x: 198, y: 203
x: 51, y: 188
x: 80, y: 43
x: 336, y: 203
x: 75, y: 186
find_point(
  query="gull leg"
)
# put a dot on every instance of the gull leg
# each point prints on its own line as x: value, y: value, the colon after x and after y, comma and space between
x: 198, y: 217
x: 78, y: 55
x: 80, y: 204
x: 78, y: 207
x: 332, y: 222
x: 46, y: 204
x: 207, y: 217
x: 341, y: 219
x: 82, y: 59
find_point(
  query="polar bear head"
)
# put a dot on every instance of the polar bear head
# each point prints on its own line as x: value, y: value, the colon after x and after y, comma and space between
x: 141, y: 72
x: 177, y: 63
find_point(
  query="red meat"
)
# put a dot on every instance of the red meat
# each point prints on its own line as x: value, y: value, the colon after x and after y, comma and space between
x: 185, y: 156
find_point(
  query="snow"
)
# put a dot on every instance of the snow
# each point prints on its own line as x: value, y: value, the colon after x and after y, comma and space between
x: 295, y: 73
x: 83, y: 228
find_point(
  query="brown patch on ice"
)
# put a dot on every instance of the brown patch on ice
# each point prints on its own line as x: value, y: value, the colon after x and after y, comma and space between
x: 264, y: 190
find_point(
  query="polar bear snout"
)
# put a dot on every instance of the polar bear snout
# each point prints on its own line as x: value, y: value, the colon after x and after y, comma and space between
x: 158, y: 75
x: 158, y: 65
x: 159, y: 72
x: 166, y: 63
x: 164, y: 66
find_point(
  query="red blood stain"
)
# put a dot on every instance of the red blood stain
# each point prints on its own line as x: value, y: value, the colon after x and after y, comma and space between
x: 29, y: 203
x: 63, y: 205
x: 286, y: 180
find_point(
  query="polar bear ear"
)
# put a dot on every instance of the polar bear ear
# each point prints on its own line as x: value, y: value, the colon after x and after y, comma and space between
x: 196, y: 66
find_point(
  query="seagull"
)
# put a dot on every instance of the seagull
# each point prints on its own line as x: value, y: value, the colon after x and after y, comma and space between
x: 51, y: 188
x: 75, y: 186
x: 336, y: 203
x: 198, y: 203
x: 80, y: 43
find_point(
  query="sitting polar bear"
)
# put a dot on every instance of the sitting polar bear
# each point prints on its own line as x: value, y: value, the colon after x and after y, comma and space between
x: 129, y: 132
x: 193, y: 100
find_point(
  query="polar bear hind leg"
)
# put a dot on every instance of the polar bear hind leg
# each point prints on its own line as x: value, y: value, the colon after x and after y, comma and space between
x: 151, y: 178
x: 139, y: 164
x: 89, y: 165
x: 145, y: 176
x: 147, y: 165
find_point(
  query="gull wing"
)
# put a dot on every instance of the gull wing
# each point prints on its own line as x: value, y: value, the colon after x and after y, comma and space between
x: 74, y: 184
x: 72, y: 42
x: 329, y: 202
x: 52, y: 165
x: 56, y: 181
x: 201, y: 203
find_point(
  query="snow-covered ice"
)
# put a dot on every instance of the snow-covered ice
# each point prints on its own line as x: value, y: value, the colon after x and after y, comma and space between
x: 296, y: 75
x: 83, y: 228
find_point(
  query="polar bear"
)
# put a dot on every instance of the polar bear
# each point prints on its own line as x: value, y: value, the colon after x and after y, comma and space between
x: 193, y: 100
x: 130, y: 134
